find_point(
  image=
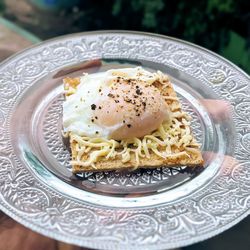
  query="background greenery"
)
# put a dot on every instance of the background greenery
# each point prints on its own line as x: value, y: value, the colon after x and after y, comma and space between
x: 219, y: 25
x: 2, y: 6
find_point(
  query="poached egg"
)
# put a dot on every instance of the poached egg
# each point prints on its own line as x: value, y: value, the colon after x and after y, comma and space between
x: 116, y: 104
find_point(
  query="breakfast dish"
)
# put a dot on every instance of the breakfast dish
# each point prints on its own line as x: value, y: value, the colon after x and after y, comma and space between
x: 158, y: 208
x: 126, y: 118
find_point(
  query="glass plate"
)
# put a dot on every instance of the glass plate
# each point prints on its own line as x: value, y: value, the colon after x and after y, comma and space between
x: 154, y: 209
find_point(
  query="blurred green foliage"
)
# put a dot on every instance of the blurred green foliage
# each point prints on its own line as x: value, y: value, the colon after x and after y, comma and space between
x: 203, y: 22
x: 2, y: 5
x: 207, y: 23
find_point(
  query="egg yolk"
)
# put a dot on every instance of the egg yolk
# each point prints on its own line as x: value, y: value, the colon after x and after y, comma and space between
x: 131, y: 108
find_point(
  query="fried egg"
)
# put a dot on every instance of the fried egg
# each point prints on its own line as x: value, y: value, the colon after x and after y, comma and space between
x: 116, y: 104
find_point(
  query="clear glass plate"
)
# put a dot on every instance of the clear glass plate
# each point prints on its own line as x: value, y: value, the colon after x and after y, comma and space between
x: 157, y: 209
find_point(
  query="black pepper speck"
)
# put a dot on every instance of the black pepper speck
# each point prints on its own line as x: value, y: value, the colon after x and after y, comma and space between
x: 93, y: 106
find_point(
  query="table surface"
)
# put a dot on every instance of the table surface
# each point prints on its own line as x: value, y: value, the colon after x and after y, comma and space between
x: 14, y: 236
